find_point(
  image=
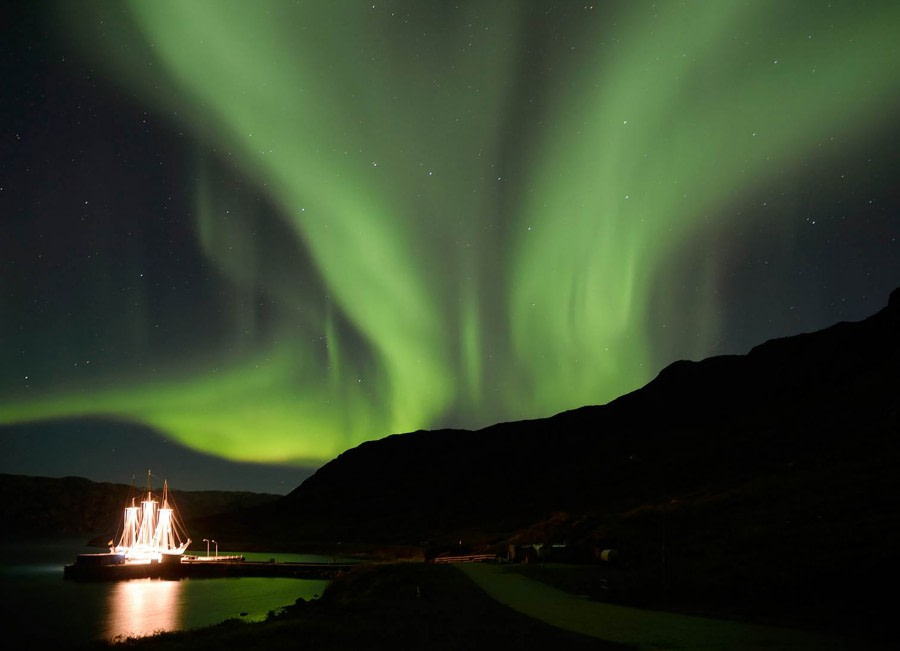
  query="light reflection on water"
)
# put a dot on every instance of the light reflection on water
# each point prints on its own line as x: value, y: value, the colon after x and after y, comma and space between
x: 142, y: 607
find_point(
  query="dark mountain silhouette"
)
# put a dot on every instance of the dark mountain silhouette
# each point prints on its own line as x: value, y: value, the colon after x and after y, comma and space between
x: 822, y: 404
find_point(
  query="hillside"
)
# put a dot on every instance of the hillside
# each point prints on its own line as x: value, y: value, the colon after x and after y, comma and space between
x: 822, y: 403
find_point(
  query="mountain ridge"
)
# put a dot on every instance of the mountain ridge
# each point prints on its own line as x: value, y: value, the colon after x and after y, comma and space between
x: 812, y: 384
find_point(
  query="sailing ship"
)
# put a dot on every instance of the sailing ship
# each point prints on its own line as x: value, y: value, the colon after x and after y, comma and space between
x: 151, y: 542
x: 149, y: 533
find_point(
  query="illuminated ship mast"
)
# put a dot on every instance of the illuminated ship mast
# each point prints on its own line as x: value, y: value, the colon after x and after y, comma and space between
x: 149, y: 530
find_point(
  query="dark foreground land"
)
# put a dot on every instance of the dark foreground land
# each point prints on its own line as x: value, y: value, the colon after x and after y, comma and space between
x: 388, y: 606
x: 415, y: 605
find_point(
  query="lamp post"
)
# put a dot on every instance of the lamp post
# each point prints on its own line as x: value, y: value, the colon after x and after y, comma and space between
x: 217, y: 547
x: 206, y: 540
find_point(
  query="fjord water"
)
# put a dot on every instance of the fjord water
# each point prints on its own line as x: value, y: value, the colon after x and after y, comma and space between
x: 38, y: 605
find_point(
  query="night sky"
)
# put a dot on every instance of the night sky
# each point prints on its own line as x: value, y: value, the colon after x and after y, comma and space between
x: 269, y: 231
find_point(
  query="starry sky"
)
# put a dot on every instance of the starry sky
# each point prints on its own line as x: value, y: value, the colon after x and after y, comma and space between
x: 260, y: 233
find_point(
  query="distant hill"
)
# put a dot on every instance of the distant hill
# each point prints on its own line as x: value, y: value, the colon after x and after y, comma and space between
x: 43, y: 506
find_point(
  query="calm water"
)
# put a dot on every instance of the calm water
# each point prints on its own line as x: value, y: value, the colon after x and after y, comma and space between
x: 38, y: 605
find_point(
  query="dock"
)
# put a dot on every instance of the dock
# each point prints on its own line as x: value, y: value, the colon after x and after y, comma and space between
x: 194, y: 568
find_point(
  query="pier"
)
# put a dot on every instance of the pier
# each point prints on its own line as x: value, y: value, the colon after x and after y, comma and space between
x: 195, y: 568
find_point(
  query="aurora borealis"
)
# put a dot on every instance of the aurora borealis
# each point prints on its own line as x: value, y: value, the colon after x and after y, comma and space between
x: 274, y: 230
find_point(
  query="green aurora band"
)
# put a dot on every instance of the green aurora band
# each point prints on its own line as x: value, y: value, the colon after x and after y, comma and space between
x: 486, y: 228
